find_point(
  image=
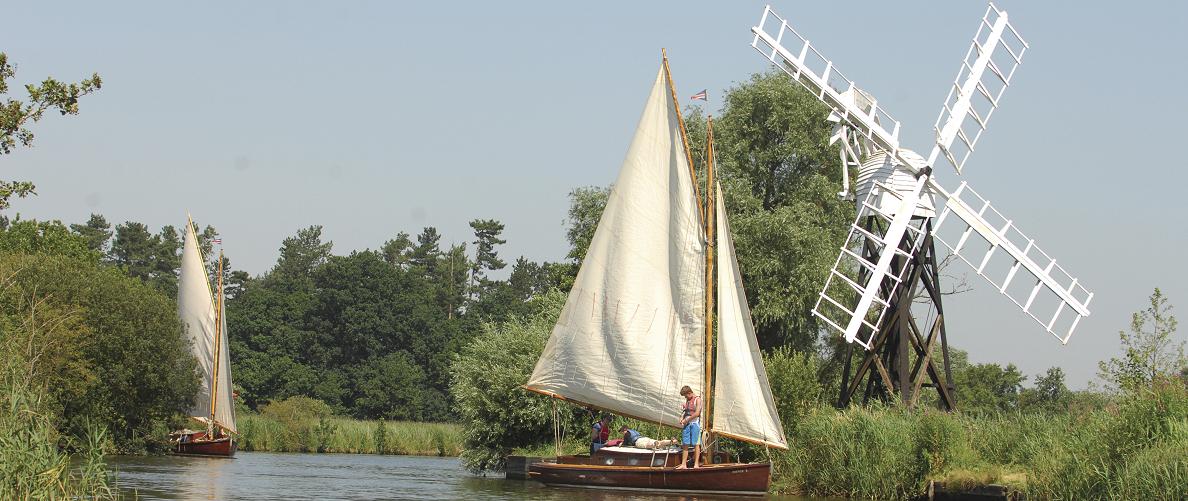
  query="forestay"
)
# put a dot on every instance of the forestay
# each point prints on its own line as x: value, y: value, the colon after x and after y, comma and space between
x: 743, y: 406
x: 632, y: 330
x: 196, y: 307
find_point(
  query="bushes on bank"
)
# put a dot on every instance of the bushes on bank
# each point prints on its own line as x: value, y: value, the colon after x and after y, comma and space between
x: 35, y: 459
x: 497, y: 414
x: 109, y: 349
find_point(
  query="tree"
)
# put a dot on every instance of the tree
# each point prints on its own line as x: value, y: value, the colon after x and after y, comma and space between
x: 96, y: 231
x: 132, y: 368
x: 424, y: 256
x: 396, y: 251
x: 585, y: 210
x: 151, y: 258
x: 486, y: 237
x: 1150, y: 351
x: 1049, y: 394
x: 15, y: 116
x: 983, y: 388
x: 44, y: 237
x: 497, y: 415
x: 781, y: 179
x: 299, y: 255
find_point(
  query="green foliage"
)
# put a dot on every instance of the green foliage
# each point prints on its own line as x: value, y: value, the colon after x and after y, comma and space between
x: 497, y: 414
x: 295, y: 428
x: 391, y: 387
x: 15, y: 116
x: 1049, y: 394
x: 1132, y: 450
x: 96, y: 232
x: 34, y: 458
x: 983, y: 388
x: 1149, y: 351
x: 486, y: 237
x: 302, y: 419
x: 781, y: 180
x: 45, y: 238
x: 381, y: 437
x: 794, y: 384
x: 585, y: 210
x: 115, y: 355
x: 148, y: 257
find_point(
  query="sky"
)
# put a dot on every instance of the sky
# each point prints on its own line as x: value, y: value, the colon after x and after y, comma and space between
x: 372, y: 118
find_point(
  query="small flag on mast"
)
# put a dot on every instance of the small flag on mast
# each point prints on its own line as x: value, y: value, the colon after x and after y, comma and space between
x: 217, y: 241
x: 700, y: 95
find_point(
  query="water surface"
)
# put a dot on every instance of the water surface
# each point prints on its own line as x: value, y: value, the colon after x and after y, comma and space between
x: 278, y: 476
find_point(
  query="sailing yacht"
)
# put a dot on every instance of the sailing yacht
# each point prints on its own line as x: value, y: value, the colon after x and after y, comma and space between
x: 638, y: 324
x: 205, y: 324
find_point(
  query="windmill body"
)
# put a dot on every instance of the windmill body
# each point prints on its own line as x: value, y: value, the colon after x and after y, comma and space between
x: 888, y: 265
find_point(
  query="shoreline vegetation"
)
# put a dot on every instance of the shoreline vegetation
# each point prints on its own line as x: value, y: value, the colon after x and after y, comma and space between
x: 1046, y: 442
x: 273, y: 431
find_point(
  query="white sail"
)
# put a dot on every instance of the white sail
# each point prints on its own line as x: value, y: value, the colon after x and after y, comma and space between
x: 224, y: 400
x: 631, y: 333
x: 743, y: 407
x: 195, y: 306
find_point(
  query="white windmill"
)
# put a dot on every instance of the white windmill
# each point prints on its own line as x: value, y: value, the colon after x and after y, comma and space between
x: 890, y: 252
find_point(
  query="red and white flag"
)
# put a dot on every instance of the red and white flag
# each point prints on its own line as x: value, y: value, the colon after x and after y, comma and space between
x: 700, y: 95
x: 217, y: 241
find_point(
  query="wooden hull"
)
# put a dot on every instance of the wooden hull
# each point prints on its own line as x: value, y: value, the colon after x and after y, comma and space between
x: 619, y: 471
x: 196, y: 444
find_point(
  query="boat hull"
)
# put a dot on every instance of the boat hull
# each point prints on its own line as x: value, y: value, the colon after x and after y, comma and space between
x: 196, y: 444
x: 731, y: 478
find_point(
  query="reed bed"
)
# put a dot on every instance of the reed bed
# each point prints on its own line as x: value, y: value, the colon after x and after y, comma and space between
x: 349, y: 436
x: 1134, y: 449
x: 36, y: 460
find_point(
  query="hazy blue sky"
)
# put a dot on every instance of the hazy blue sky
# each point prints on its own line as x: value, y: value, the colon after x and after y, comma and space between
x: 379, y: 117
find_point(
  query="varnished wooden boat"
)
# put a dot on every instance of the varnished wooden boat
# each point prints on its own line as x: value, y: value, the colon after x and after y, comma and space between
x: 640, y: 469
x: 195, y: 443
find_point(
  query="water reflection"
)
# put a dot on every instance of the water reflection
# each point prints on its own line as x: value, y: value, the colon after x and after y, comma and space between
x: 268, y: 476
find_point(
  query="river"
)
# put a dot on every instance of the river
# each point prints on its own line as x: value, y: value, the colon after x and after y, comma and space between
x: 272, y: 476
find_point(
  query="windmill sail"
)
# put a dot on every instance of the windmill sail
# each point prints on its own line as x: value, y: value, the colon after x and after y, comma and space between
x: 743, y: 407
x: 196, y: 307
x: 632, y: 329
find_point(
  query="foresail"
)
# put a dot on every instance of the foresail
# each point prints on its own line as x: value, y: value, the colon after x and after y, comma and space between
x: 224, y: 402
x: 743, y: 406
x: 631, y: 333
x: 195, y: 306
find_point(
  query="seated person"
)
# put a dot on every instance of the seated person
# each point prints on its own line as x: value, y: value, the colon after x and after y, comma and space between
x: 632, y: 438
x: 599, y: 433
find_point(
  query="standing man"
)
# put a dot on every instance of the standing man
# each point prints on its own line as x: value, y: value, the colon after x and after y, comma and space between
x: 690, y: 427
x: 599, y: 433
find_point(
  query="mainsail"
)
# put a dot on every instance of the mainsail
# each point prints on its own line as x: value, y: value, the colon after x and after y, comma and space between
x: 632, y: 330
x: 196, y: 307
x: 743, y: 406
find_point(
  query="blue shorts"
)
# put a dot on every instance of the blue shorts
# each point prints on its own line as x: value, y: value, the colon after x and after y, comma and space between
x: 691, y: 434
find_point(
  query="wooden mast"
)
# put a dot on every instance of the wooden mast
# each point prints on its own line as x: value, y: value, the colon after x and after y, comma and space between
x: 214, y: 386
x: 710, y: 223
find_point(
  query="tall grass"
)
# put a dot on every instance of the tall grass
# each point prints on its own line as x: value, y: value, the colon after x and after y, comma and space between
x: 1134, y: 449
x: 34, y: 462
x: 343, y: 435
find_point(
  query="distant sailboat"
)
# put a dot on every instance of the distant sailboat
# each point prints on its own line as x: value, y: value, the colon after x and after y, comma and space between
x: 638, y: 323
x: 205, y: 323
